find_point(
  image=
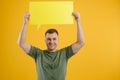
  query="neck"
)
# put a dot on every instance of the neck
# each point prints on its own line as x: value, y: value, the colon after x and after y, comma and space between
x: 51, y: 50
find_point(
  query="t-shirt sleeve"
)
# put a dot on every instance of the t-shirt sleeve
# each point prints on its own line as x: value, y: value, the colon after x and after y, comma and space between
x: 69, y: 52
x: 34, y: 51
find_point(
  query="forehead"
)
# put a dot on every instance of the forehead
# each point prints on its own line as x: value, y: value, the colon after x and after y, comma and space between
x: 51, y: 35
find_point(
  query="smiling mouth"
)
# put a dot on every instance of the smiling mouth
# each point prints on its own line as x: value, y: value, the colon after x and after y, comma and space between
x: 51, y: 45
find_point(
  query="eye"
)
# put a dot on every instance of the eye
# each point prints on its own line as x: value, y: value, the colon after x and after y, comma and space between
x: 54, y: 38
x: 48, y: 39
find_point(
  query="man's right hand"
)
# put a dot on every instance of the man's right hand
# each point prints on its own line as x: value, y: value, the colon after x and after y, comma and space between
x: 26, y: 18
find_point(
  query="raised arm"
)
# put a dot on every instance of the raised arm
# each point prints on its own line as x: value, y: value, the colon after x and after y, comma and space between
x: 22, y: 35
x: 80, y: 38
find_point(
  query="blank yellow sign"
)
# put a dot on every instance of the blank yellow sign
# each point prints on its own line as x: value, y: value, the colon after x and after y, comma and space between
x: 51, y: 12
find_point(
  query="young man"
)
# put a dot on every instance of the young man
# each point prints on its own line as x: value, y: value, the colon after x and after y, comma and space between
x: 51, y: 63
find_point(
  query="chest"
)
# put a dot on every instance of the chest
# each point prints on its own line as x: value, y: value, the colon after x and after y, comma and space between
x: 52, y: 60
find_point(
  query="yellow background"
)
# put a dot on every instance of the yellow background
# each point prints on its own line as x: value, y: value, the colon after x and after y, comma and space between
x: 99, y: 59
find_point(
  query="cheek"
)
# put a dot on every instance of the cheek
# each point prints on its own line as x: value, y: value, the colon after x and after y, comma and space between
x: 47, y: 41
x: 56, y: 42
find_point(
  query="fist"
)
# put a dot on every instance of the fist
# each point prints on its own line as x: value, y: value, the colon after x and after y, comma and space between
x: 76, y: 16
x: 26, y: 17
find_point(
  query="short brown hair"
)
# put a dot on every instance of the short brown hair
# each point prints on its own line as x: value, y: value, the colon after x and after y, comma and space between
x: 50, y: 31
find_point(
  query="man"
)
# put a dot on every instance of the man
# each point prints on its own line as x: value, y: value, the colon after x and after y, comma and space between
x: 51, y: 63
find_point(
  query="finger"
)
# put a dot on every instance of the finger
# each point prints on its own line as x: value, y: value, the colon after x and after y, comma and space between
x: 73, y: 13
x: 27, y: 14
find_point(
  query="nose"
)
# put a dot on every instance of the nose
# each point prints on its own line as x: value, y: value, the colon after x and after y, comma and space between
x: 51, y: 41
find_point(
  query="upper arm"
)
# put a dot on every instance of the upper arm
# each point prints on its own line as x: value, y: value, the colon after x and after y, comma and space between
x: 76, y: 47
x: 26, y: 47
x: 68, y: 51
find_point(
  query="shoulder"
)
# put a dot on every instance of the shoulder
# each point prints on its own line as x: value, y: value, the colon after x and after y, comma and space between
x: 35, y: 49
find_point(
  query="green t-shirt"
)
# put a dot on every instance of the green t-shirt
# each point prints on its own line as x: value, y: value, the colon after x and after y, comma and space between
x: 51, y: 65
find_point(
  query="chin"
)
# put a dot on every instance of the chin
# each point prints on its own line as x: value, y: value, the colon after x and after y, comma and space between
x: 52, y: 48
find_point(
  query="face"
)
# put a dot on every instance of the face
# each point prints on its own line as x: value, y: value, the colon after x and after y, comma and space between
x: 51, y: 41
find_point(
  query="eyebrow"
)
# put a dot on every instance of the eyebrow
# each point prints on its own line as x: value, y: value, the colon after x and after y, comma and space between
x: 52, y: 38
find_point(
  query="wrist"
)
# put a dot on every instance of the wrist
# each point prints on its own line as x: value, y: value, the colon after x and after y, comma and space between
x: 24, y: 23
x: 78, y: 20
